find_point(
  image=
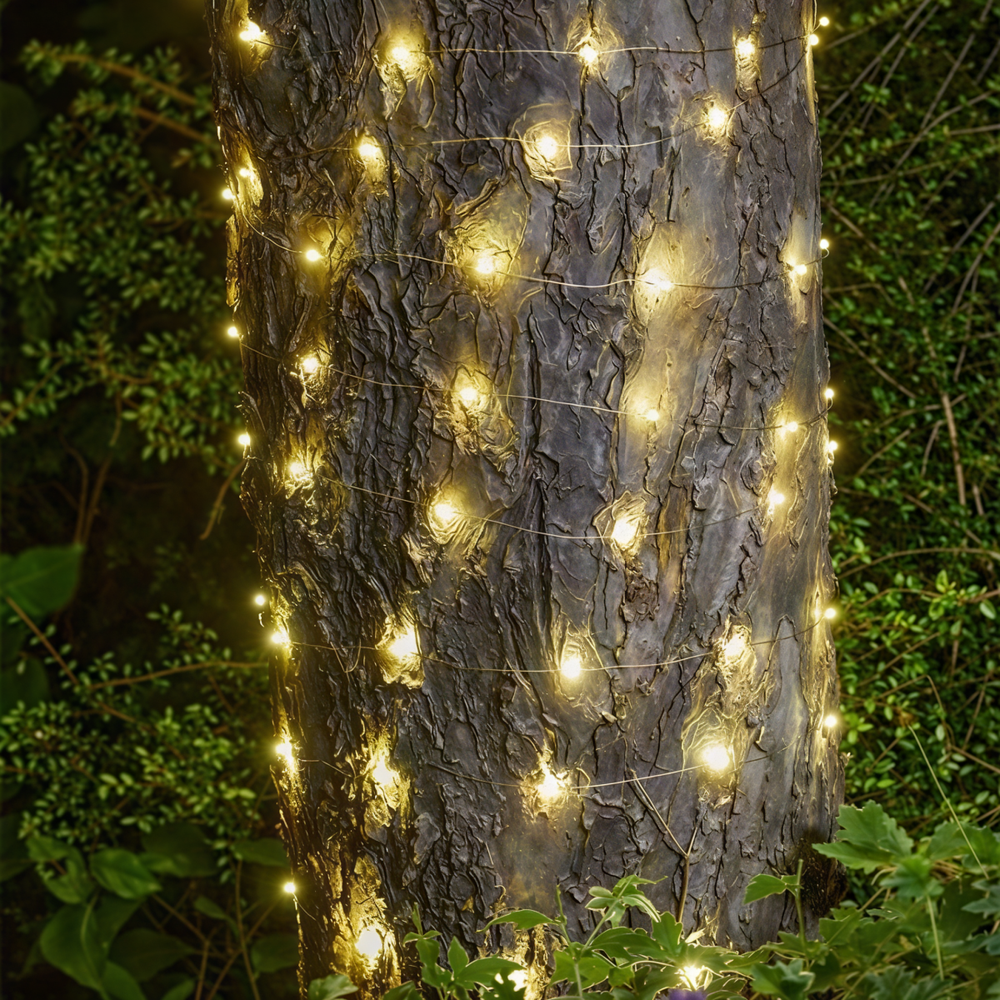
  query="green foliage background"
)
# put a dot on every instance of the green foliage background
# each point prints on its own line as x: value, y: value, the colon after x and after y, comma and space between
x: 126, y: 556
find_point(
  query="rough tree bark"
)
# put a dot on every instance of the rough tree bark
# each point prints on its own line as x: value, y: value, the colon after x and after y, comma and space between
x: 530, y: 305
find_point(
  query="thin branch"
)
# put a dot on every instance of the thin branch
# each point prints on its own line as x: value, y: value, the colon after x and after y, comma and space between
x: 44, y: 640
x: 173, y: 670
x: 134, y: 74
x: 216, y: 507
x: 992, y: 553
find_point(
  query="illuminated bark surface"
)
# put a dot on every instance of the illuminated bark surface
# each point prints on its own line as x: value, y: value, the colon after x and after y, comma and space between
x: 576, y: 300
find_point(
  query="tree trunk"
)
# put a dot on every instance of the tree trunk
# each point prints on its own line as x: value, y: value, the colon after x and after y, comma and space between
x: 529, y: 297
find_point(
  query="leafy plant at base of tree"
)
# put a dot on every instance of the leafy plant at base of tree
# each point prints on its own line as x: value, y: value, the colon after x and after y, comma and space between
x: 929, y: 933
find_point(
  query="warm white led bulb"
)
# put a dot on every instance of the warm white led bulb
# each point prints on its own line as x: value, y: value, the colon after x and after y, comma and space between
x: 824, y: 22
x: 831, y: 721
x: 310, y: 364
x: 404, y: 645
x: 830, y: 613
x: 588, y: 53
x: 717, y: 117
x: 745, y: 48
x: 692, y: 974
x: 828, y: 393
x: 244, y: 439
x: 289, y: 887
x: 571, y: 667
x: 486, y: 264
x: 313, y: 255
x: 736, y: 645
x: 400, y: 54
x: 824, y: 244
x: 813, y: 39
x: 368, y: 150
x: 260, y: 600
x: 469, y: 395
x: 244, y: 171
x: 444, y: 514
x: 233, y: 332
x: 652, y: 415
x: 550, y: 787
x: 624, y: 532
x: 775, y: 499
x: 227, y: 193
x: 286, y: 752
x: 383, y: 775
x: 716, y: 758
x: 369, y: 944
x: 251, y: 33
x: 790, y: 427
x: 297, y: 470
x: 831, y: 446
x: 547, y: 147
x: 658, y: 280
x: 280, y: 637
x: 800, y: 269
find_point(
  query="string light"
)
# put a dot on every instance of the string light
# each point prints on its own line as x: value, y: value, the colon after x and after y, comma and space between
x: 571, y: 666
x: 251, y: 33
x: 828, y: 394
x: 469, y: 395
x: 233, y: 332
x: 244, y: 439
x: 486, y: 264
x: 652, y: 415
x: 799, y: 269
x: 774, y: 499
x: 547, y: 147
x: 745, y: 48
x: 789, y: 427
x: 813, y: 40
x: 227, y: 193
x: 289, y: 887
x: 280, y: 637
x: 717, y: 118
x: 588, y: 53
x: 245, y: 172
x: 692, y: 975
x: 286, y: 752
x: 368, y: 150
x: 824, y: 244
x: 310, y: 364
x: 260, y: 600
x: 657, y: 279
x: 550, y: 787
x: 831, y: 721
x: 736, y: 645
x: 369, y: 944
x: 716, y: 758
x: 444, y: 515
x: 831, y: 447
x: 625, y: 531
x: 403, y: 646
x: 824, y: 22
x: 313, y: 255
x: 830, y: 613
x: 298, y: 472
x: 383, y: 775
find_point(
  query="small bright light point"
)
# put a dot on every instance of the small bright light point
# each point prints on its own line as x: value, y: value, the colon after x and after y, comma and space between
x: 368, y: 150
x: 233, y: 332
x: 369, y: 944
x: 828, y: 393
x: 624, y: 532
x: 310, y: 364
x: 550, y: 787
x: 571, y: 667
x: 652, y: 415
x: 251, y: 33
x: 831, y: 721
x: 745, y: 48
x: 736, y: 646
x: 313, y: 255
x: 813, y: 39
x: 692, y: 974
x: 717, y: 117
x: 280, y: 637
x: 289, y: 887
x: 518, y: 978
x: 830, y: 613
x: 775, y: 499
x: 716, y: 758
x: 260, y: 600
x: 286, y: 752
x: 588, y: 53
x: 382, y: 774
x: 656, y: 279
x: 790, y: 428
x: 444, y: 514
x: 547, y: 147
x: 824, y: 244
x: 400, y: 54
x: 228, y: 194
x: 486, y: 264
x: 244, y: 439
x: 244, y: 171
x: 469, y: 395
x: 800, y: 269
x: 404, y: 645
x: 297, y: 470
x: 824, y: 22
x: 831, y: 446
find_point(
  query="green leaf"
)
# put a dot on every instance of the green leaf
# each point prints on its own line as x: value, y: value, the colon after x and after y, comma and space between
x: 18, y: 113
x: 989, y: 904
x: 987, y: 610
x: 897, y: 984
x: 483, y: 971
x: 947, y: 841
x: 13, y: 851
x: 789, y: 981
x: 763, y: 885
x: 71, y: 943
x: 912, y: 878
x: 181, y: 850
x: 406, y: 991
x: 523, y: 920
x: 266, y: 851
x: 868, y: 839
x: 122, y: 873
x: 181, y: 991
x: 458, y: 957
x: 40, y: 580
x: 144, y: 953
x: 275, y: 951
x: 73, y: 887
x: 47, y: 848
x: 204, y: 905
x: 121, y: 984
x: 111, y: 916
x: 333, y: 987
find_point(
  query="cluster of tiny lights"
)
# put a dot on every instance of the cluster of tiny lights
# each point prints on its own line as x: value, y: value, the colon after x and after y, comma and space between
x: 289, y: 887
x: 716, y: 758
x: 369, y: 944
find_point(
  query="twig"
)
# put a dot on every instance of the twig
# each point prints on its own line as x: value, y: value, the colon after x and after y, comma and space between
x: 172, y: 670
x: 122, y: 70
x: 921, y: 552
x: 45, y: 642
x: 218, y: 500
